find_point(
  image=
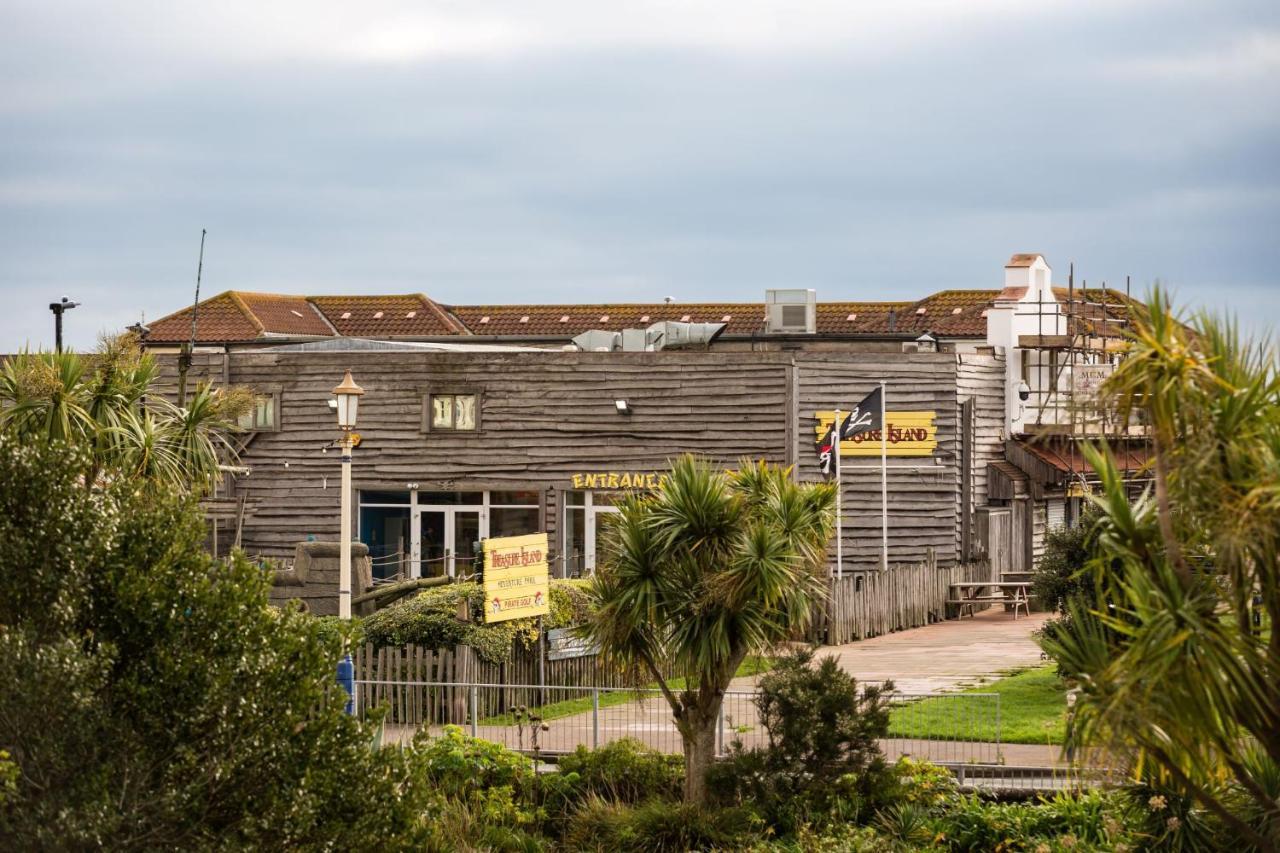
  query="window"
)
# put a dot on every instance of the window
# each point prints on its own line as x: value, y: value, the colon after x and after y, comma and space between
x: 262, y: 415
x: 452, y: 411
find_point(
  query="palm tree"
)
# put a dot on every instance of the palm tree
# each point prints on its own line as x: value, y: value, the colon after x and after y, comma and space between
x: 710, y: 567
x: 1175, y: 673
x: 105, y: 404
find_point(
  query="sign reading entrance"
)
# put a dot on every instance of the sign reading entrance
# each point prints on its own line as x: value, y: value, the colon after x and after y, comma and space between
x: 515, y: 577
x: 618, y: 480
x: 910, y: 434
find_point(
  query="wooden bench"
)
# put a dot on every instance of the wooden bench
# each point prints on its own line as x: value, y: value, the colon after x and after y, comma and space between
x: 969, y: 593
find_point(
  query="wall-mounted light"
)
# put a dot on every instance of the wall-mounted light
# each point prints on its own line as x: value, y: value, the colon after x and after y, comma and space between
x: 623, y: 407
x: 333, y: 404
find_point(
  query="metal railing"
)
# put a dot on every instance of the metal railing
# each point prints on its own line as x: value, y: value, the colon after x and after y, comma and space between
x: 945, y: 728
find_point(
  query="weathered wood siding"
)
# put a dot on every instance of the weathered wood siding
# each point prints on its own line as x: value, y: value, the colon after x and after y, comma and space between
x: 923, y: 491
x: 544, y: 417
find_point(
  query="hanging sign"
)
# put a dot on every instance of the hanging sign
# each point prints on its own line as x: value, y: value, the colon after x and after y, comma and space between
x: 910, y: 434
x: 516, y: 584
x: 564, y: 643
x: 1087, y: 379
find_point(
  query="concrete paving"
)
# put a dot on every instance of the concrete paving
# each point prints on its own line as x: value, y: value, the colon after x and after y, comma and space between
x: 945, y: 656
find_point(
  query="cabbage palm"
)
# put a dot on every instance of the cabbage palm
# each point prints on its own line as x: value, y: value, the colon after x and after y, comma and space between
x: 1176, y: 674
x: 101, y: 403
x: 707, y: 569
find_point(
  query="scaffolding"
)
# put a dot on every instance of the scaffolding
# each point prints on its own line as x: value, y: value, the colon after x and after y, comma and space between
x: 1064, y: 371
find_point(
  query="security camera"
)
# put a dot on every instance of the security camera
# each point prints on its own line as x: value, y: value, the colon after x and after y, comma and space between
x: 1024, y: 392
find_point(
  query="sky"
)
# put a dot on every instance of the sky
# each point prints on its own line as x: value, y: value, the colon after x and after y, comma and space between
x: 576, y: 151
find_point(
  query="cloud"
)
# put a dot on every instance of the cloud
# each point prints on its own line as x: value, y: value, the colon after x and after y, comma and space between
x: 569, y: 151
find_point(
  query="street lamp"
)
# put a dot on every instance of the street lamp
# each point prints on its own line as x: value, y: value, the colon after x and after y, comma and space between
x: 58, y: 309
x: 348, y: 398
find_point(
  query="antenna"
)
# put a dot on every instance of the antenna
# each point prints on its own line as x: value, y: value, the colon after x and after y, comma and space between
x: 184, y: 358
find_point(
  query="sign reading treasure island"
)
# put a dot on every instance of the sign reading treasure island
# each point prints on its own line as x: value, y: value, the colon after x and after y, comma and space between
x: 910, y: 434
x: 515, y: 577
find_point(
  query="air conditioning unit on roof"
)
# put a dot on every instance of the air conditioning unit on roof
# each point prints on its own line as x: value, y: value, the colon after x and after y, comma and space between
x: 791, y: 311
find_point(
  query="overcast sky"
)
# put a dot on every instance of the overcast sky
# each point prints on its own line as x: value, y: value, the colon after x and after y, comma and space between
x: 621, y: 151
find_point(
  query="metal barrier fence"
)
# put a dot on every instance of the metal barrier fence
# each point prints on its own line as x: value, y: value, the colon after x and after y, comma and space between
x: 943, y: 727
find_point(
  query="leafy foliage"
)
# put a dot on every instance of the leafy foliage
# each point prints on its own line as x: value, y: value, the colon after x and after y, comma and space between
x: 1174, y: 673
x: 163, y: 703
x: 430, y: 619
x: 623, y: 771
x: 1064, y: 573
x: 710, y: 567
x: 103, y: 405
x: 822, y: 761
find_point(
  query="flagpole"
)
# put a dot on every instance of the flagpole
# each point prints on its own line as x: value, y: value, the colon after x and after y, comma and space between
x: 884, y: 480
x: 835, y: 435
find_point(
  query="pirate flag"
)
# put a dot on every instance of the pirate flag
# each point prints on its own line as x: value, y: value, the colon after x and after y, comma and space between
x: 864, y: 418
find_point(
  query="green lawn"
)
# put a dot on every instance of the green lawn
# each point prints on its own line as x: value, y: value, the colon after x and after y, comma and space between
x: 569, y: 707
x: 1033, y: 709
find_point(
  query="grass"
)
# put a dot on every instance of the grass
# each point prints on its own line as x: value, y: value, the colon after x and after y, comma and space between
x: 569, y: 707
x: 1033, y: 709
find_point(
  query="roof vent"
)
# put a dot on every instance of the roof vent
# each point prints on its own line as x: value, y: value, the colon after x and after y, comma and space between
x: 377, y: 315
x: 644, y: 319
x: 791, y: 311
x: 524, y: 319
x: 346, y: 315
x: 726, y: 318
x: 484, y: 319
x: 295, y: 313
x: 564, y: 318
x: 411, y: 315
x: 920, y: 311
x: 957, y: 310
x: 604, y: 318
x: 684, y: 319
x: 851, y: 317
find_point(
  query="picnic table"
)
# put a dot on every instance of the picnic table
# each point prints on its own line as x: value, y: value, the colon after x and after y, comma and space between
x: 966, y: 594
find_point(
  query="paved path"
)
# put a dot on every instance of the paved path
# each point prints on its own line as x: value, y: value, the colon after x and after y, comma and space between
x: 945, y: 656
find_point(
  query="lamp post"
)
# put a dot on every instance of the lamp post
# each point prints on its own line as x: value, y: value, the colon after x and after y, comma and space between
x: 348, y: 396
x: 58, y: 309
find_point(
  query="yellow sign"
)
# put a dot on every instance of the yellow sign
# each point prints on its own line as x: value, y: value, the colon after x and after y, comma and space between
x: 618, y: 480
x: 515, y: 577
x: 910, y: 434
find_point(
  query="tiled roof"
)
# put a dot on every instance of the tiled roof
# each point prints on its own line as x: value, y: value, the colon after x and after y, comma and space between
x: 220, y: 319
x: 285, y: 315
x: 408, y: 315
x: 239, y: 316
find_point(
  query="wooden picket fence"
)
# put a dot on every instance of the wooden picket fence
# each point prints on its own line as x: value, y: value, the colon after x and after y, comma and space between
x: 414, y: 682
x: 871, y: 603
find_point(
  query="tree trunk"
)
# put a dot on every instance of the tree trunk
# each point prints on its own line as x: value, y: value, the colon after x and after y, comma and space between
x: 698, y: 734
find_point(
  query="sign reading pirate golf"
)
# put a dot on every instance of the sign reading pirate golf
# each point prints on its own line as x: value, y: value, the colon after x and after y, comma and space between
x: 515, y: 577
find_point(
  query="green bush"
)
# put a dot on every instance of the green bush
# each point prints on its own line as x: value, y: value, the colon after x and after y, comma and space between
x: 1087, y: 821
x: 457, y: 765
x: 430, y: 619
x: 657, y: 826
x: 624, y: 771
x: 822, y: 762
x: 152, y: 696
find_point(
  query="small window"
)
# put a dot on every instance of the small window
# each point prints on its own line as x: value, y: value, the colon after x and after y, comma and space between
x: 262, y: 416
x: 452, y: 411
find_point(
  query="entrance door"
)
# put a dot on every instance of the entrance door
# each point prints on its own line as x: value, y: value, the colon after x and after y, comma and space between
x: 596, y: 516
x: 445, y: 538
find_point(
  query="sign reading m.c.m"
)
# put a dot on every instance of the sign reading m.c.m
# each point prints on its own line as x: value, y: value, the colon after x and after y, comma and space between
x: 909, y: 434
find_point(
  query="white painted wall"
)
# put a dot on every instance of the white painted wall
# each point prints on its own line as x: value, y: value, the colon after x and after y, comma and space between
x: 1033, y: 312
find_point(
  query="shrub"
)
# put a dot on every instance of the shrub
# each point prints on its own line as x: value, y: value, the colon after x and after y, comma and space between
x: 923, y: 783
x: 457, y: 765
x: 624, y: 771
x: 163, y: 703
x: 822, y: 761
x: 430, y: 619
x: 658, y: 825
x: 1091, y: 820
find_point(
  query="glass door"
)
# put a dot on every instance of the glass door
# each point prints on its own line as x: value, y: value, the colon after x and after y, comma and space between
x: 430, y: 533
x: 446, y: 539
x: 464, y: 535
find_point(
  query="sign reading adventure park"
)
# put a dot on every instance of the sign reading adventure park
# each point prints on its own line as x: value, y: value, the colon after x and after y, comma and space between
x: 515, y: 577
x: 910, y: 434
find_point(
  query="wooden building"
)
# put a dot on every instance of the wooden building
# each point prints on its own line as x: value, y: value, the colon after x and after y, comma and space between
x: 461, y: 444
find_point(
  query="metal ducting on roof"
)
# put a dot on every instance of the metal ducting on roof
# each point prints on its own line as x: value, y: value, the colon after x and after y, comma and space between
x: 659, y: 336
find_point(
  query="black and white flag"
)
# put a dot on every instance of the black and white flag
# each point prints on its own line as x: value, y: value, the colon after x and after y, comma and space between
x: 864, y: 417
